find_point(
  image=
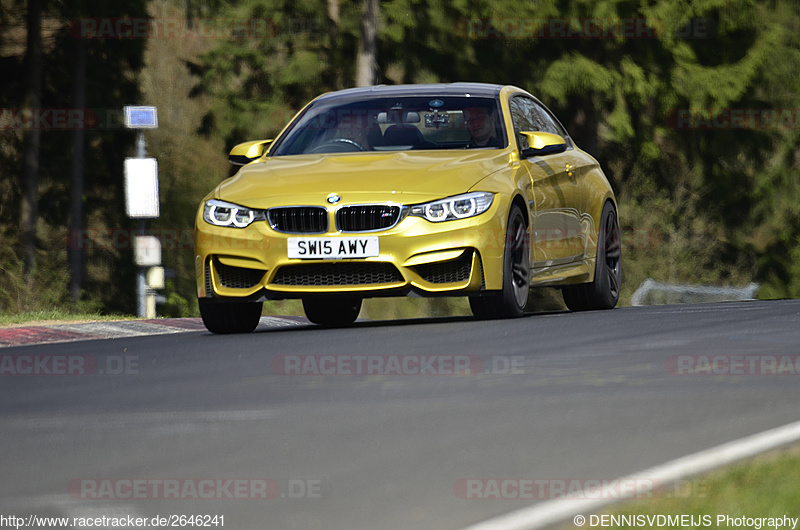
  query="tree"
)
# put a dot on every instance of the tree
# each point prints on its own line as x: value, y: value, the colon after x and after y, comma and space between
x: 367, y: 60
x: 76, y: 255
x: 41, y: 146
x: 33, y: 101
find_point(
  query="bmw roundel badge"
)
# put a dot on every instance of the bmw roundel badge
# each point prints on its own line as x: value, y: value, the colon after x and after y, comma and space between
x: 333, y: 198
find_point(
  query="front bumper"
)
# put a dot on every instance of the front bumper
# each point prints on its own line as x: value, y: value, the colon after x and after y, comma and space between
x: 460, y: 257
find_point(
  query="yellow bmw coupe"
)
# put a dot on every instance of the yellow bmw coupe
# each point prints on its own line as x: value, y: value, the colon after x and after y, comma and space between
x: 462, y: 189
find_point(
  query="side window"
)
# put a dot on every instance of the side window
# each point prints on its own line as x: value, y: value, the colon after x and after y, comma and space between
x: 521, y: 117
x: 528, y: 115
x: 546, y: 122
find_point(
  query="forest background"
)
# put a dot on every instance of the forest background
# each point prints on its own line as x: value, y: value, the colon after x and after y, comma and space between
x: 691, y: 107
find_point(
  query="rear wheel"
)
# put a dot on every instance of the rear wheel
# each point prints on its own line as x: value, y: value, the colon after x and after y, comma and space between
x: 511, y: 300
x: 603, y: 292
x: 230, y: 317
x: 332, y: 312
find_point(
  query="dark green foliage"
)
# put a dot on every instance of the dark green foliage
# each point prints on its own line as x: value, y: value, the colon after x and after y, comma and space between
x: 722, y: 199
x: 112, y: 83
x: 699, y: 202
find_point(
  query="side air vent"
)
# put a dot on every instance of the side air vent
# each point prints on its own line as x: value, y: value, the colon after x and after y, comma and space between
x: 238, y: 277
x: 456, y: 270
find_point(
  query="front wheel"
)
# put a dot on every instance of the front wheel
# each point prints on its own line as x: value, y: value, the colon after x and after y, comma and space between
x: 230, y: 317
x: 510, y: 302
x: 332, y: 312
x: 603, y: 292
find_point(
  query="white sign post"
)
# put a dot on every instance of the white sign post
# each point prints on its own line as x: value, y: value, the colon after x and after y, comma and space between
x: 142, y: 202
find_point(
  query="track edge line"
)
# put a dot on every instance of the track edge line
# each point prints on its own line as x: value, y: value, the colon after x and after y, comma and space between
x: 551, y: 512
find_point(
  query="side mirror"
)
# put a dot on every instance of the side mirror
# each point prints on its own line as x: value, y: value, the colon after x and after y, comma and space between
x: 246, y: 152
x: 542, y: 143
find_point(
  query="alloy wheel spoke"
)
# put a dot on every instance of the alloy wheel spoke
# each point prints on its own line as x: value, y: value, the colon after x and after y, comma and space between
x: 519, y: 237
x: 520, y: 273
x: 613, y: 280
x: 613, y: 254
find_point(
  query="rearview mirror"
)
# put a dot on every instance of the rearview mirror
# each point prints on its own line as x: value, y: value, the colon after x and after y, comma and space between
x: 246, y: 152
x: 542, y: 143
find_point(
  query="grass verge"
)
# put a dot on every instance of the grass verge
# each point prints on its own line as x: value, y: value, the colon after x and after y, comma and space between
x: 763, y: 487
x: 51, y: 316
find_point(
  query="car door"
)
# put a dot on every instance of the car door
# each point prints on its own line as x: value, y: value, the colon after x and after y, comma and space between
x: 556, y: 234
x: 578, y: 196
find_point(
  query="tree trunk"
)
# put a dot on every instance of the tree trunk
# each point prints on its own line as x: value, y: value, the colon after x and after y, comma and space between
x: 76, y: 254
x: 333, y: 50
x: 367, y: 60
x: 33, y: 101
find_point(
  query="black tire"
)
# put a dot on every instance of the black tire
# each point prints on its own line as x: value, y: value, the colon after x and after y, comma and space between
x: 603, y: 292
x: 510, y: 302
x: 332, y: 311
x: 230, y: 317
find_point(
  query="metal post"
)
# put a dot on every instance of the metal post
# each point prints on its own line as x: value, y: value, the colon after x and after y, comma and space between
x: 140, y: 151
x: 141, y: 280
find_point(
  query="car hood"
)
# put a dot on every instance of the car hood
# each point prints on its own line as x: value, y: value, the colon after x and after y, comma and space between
x: 402, y: 177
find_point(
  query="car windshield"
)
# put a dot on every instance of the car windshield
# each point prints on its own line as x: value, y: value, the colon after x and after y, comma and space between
x: 395, y: 124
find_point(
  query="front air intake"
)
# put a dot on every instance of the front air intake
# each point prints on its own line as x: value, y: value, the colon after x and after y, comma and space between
x: 298, y: 219
x: 366, y: 218
x: 335, y: 274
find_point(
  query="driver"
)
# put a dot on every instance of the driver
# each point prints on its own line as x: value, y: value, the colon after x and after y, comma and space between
x: 480, y: 124
x: 358, y: 127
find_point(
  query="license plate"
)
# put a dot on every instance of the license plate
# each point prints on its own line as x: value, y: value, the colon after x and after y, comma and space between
x: 332, y: 247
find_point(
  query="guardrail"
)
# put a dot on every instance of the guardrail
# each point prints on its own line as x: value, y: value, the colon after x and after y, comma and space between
x: 651, y: 292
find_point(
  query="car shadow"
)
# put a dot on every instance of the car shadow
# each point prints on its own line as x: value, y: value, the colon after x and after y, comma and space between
x: 302, y: 324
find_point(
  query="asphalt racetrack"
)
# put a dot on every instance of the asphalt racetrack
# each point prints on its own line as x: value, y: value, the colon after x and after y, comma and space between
x: 393, y: 425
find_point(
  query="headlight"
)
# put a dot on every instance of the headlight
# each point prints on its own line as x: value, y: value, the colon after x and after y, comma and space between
x: 221, y: 213
x: 458, y: 207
